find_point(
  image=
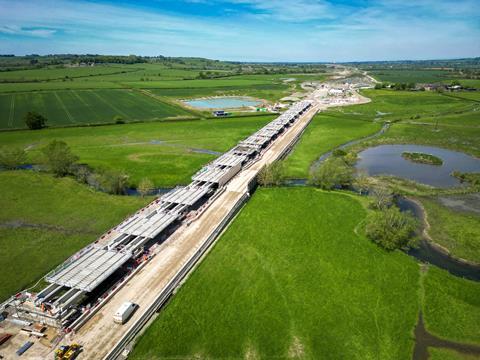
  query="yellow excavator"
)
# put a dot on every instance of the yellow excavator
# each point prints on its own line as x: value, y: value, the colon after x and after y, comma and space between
x: 67, y: 352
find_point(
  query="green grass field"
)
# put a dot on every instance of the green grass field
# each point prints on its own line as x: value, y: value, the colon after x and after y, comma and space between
x: 278, y: 286
x: 271, y: 92
x: 451, y: 306
x: 445, y: 354
x: 402, y: 105
x: 412, y: 75
x: 325, y: 132
x: 165, y: 152
x: 419, y: 117
x: 91, y: 95
x: 43, y: 215
x: 308, y: 286
x: 424, y: 118
x: 458, y: 231
x: 82, y: 107
x: 66, y: 72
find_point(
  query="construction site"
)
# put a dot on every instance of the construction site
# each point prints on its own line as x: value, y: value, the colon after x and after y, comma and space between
x: 82, y: 285
x: 147, y: 256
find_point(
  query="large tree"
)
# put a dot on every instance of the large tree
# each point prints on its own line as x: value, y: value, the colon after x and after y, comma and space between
x: 272, y: 174
x: 59, y: 158
x: 114, y: 182
x: 391, y: 229
x: 34, y: 120
x: 333, y: 172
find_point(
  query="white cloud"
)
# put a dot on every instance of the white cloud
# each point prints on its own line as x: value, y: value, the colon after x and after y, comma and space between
x: 17, y: 30
x: 292, y: 10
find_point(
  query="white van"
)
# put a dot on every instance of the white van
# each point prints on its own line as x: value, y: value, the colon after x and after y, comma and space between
x: 124, y: 312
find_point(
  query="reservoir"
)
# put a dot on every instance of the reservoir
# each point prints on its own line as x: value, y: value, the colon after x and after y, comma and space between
x: 227, y: 102
x: 388, y: 160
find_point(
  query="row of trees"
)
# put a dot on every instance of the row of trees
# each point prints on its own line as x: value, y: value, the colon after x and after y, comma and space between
x: 58, y: 159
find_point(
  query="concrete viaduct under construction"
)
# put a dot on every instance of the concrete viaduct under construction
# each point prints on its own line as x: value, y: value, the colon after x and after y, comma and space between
x: 88, y: 279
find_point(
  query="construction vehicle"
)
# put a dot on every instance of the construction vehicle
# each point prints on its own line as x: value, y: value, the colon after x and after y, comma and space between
x: 67, y: 352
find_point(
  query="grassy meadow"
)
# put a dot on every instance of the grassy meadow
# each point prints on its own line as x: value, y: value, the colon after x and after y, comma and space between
x: 279, y: 286
x: 451, y: 306
x: 43, y: 215
x: 415, y: 75
x: 325, y: 132
x: 448, y: 120
x: 417, y: 117
x: 308, y: 286
x: 458, y: 231
x: 168, y: 153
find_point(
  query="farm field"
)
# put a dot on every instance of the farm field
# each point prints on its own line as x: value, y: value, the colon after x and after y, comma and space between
x: 326, y: 131
x: 91, y: 95
x: 425, y: 118
x: 341, y: 297
x: 418, y: 117
x: 34, y: 75
x: 42, y: 215
x: 271, y: 92
x: 458, y: 231
x: 278, y: 286
x: 83, y: 107
x: 402, y: 105
x: 168, y: 153
x: 413, y: 75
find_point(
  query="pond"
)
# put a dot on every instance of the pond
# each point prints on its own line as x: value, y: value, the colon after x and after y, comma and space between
x: 388, y: 160
x: 227, y: 102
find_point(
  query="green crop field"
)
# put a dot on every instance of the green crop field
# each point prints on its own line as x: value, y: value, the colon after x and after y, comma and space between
x: 63, y: 73
x: 412, y: 75
x: 279, y: 286
x: 90, y: 95
x: 272, y: 92
x: 458, y: 231
x: 325, y: 132
x: 44, y: 215
x: 307, y: 286
x: 168, y: 153
x: 81, y: 107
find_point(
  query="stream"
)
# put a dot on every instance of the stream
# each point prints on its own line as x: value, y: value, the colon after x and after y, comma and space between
x: 424, y: 340
x: 428, y: 253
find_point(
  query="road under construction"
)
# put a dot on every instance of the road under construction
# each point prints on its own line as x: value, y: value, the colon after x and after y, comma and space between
x: 147, y: 256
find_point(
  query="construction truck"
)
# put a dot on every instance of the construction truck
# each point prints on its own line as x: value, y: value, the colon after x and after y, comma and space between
x: 67, y: 352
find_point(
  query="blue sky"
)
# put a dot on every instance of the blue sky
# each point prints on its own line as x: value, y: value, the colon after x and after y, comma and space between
x: 245, y: 30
